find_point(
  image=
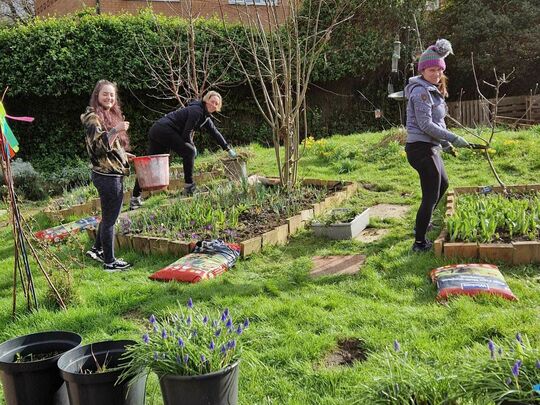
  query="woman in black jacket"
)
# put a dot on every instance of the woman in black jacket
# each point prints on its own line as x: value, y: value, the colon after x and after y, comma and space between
x: 174, y: 132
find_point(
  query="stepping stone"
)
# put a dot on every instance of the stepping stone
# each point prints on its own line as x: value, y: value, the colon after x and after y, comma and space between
x: 369, y: 235
x: 336, y: 265
x: 389, y: 211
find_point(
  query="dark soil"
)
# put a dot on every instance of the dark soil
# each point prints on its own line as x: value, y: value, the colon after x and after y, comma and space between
x: 346, y: 353
x: 256, y: 223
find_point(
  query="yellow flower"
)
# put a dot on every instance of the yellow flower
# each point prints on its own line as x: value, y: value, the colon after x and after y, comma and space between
x: 491, y: 151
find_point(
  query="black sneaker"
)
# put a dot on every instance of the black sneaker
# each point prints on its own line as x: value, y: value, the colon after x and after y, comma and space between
x: 95, y: 254
x: 135, y: 203
x: 424, y: 246
x: 117, y: 265
x: 189, y: 188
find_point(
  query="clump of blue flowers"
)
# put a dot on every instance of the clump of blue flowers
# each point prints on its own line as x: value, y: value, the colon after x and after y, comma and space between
x: 510, y: 373
x: 190, y: 341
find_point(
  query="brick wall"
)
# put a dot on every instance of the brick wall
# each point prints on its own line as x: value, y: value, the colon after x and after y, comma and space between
x: 203, y: 8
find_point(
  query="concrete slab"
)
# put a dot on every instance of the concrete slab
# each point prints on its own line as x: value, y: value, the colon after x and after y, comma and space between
x: 369, y: 235
x: 389, y: 211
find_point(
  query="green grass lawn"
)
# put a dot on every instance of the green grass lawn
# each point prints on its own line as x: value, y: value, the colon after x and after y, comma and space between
x: 296, y: 321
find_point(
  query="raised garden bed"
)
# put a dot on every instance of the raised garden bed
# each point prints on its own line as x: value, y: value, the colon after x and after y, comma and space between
x: 341, y: 223
x: 509, y: 246
x: 93, y: 205
x: 253, y: 227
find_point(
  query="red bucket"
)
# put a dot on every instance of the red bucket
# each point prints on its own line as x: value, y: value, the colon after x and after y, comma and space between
x: 152, y: 171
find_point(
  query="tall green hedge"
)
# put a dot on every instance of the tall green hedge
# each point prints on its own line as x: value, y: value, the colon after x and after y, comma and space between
x: 52, y: 65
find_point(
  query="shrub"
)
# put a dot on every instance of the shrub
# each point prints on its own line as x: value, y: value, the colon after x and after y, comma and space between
x: 68, y: 177
x: 27, y: 181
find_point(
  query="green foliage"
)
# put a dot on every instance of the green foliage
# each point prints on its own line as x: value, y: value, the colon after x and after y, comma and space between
x: 491, y: 218
x: 506, y: 373
x: 498, y: 33
x: 28, y: 183
x: 68, y: 177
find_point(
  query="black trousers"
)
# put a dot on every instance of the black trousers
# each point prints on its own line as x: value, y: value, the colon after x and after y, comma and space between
x: 426, y: 160
x: 111, y: 195
x: 162, y: 139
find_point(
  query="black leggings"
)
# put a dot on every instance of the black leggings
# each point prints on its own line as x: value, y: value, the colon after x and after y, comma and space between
x: 433, y: 181
x: 162, y: 139
x: 111, y: 195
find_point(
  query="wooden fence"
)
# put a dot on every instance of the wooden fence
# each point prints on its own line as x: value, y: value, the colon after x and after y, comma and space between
x: 517, y: 110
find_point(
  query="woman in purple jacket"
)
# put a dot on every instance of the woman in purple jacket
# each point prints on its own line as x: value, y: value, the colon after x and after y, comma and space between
x: 427, y: 135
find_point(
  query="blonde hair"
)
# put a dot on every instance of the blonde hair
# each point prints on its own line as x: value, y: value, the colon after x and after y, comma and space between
x: 211, y: 94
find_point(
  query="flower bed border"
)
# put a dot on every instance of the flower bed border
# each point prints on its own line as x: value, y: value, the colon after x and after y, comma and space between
x: 517, y: 253
x: 276, y: 236
x: 94, y: 204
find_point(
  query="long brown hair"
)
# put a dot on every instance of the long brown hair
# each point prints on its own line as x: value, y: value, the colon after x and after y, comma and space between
x: 443, y: 86
x: 109, y: 118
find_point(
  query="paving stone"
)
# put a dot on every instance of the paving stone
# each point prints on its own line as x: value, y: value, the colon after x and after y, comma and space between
x: 336, y: 265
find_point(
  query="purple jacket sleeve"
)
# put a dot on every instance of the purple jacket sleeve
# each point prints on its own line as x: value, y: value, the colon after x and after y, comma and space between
x: 423, y: 110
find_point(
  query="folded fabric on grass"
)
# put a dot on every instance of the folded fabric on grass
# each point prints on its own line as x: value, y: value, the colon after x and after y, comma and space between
x: 470, y: 279
x: 61, y: 232
x: 208, y: 260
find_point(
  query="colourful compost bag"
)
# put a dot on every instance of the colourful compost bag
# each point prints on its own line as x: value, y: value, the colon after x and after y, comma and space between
x: 470, y: 279
x: 208, y: 260
x: 61, y: 232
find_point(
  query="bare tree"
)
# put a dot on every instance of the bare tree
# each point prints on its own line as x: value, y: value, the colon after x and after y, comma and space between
x: 283, y: 45
x: 180, y: 67
x: 16, y: 10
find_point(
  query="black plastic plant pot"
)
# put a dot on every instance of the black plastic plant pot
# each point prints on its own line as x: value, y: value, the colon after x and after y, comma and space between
x: 219, y: 388
x: 28, y: 368
x: 91, y: 373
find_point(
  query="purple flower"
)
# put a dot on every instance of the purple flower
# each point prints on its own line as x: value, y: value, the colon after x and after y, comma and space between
x: 229, y: 323
x: 152, y: 319
x: 239, y: 330
x: 231, y: 344
x: 190, y: 303
x: 186, y: 358
x: 246, y: 323
x: 188, y: 320
x: 192, y: 222
x: 217, y: 332
x: 223, y: 350
x: 537, y: 364
x: 515, y: 368
x: 203, y: 358
x: 194, y: 236
x: 194, y: 332
x: 518, y: 338
x: 397, y: 347
x: 155, y: 328
x: 156, y: 356
x: 223, y: 317
x: 164, y: 334
x: 226, y: 312
x: 212, y: 345
x: 181, y: 342
x: 178, y: 359
x: 208, y: 227
x: 205, y: 320
x: 491, y: 347
x: 146, y: 338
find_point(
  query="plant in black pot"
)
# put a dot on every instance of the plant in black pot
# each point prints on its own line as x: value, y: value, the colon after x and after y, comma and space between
x: 195, y: 354
x: 91, y: 373
x: 28, y: 368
